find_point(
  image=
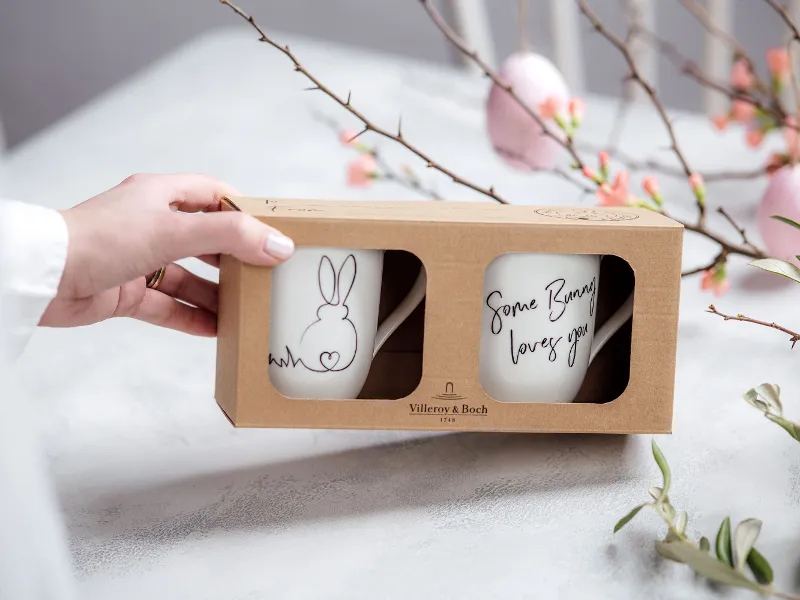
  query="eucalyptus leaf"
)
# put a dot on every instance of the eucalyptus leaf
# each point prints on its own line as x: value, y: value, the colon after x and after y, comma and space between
x: 662, y: 464
x: 760, y: 568
x: 669, y: 511
x: 705, y: 545
x: 787, y: 221
x: 779, y: 267
x: 705, y: 565
x: 723, y: 543
x: 627, y: 518
x: 681, y: 522
x: 743, y: 539
x: 792, y: 428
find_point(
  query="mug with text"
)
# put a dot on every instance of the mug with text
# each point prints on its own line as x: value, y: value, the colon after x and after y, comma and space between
x: 538, y: 333
x: 324, y: 329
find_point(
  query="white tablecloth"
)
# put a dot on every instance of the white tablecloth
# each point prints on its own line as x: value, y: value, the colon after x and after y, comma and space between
x: 164, y: 499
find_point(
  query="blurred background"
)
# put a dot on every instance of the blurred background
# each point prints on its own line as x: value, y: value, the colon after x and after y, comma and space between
x: 57, y: 55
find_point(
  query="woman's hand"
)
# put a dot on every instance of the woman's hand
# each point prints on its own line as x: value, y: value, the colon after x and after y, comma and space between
x: 117, y: 240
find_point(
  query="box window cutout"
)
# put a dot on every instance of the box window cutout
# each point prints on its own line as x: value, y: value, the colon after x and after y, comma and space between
x: 347, y: 324
x: 556, y: 328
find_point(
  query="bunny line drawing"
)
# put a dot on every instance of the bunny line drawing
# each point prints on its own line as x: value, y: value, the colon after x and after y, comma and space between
x: 330, y: 343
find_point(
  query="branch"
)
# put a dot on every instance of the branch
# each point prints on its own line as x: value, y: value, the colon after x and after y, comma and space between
x: 454, y: 39
x: 368, y: 125
x: 736, y: 226
x: 794, y: 337
x: 636, y: 76
x: 786, y: 18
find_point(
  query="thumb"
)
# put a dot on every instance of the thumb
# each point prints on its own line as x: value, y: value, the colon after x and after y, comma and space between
x: 233, y: 233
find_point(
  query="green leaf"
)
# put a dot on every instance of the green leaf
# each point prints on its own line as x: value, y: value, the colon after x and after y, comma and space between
x: 787, y: 221
x: 705, y: 545
x: 723, y: 544
x: 766, y: 398
x: 779, y: 267
x: 662, y: 464
x: 627, y: 518
x: 655, y: 492
x: 792, y: 428
x: 669, y: 511
x: 705, y: 565
x: 681, y: 522
x: 743, y: 540
x: 760, y: 568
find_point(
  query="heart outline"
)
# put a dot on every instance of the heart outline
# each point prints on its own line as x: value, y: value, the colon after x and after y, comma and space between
x: 326, y: 357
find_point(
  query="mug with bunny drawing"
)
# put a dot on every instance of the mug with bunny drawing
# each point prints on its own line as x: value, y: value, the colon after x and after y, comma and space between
x: 324, y: 329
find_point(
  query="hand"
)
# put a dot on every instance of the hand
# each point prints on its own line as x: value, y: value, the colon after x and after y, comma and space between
x: 117, y: 240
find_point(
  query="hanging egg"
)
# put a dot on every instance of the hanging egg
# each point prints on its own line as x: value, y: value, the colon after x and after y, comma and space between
x: 782, y: 198
x: 515, y: 136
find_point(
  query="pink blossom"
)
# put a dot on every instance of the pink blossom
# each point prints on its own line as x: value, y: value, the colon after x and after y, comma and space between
x: 346, y: 137
x: 616, y: 194
x: 603, y: 158
x: 550, y: 107
x: 715, y: 280
x: 742, y: 111
x: 774, y: 162
x: 361, y: 171
x: 741, y: 77
x: 720, y: 122
x: 696, y: 182
x: 754, y: 137
x: 589, y: 173
x: 778, y: 63
x: 650, y: 186
x: 577, y: 108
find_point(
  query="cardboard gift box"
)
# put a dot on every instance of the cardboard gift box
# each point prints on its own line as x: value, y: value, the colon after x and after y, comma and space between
x: 309, y: 326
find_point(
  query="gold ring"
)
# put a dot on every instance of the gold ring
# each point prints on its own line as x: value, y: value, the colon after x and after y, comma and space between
x: 155, y: 280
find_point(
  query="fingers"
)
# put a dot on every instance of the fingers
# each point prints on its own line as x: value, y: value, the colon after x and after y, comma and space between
x: 162, y: 310
x: 188, y: 287
x: 186, y: 192
x: 232, y: 233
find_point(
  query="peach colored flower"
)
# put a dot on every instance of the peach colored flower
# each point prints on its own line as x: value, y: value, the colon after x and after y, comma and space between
x: 696, y: 182
x: 589, y: 173
x: 715, y: 281
x: 778, y: 63
x: 346, y: 137
x: 720, y: 122
x: 603, y: 158
x: 361, y: 171
x: 774, y: 162
x: 754, y: 137
x: 550, y: 107
x: 577, y: 108
x: 616, y: 194
x: 741, y: 77
x: 650, y: 186
x: 742, y: 111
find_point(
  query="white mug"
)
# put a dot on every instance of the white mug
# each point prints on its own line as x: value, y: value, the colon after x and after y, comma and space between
x: 537, y: 331
x: 324, y: 329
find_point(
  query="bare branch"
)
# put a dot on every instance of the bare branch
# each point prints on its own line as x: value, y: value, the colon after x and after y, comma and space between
x: 794, y: 337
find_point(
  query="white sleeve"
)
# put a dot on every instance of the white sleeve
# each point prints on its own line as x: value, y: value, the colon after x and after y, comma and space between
x: 33, y: 253
x: 34, y: 558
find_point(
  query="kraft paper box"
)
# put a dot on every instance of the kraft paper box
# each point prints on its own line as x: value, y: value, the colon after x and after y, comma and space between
x: 429, y: 373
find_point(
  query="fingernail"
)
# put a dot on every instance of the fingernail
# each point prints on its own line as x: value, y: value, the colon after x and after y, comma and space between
x: 278, y: 245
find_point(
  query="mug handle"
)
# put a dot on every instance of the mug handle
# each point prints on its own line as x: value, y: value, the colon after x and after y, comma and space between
x: 403, y: 310
x: 610, y: 327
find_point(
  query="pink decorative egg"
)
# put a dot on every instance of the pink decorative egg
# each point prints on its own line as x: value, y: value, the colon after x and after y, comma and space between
x: 515, y: 136
x: 782, y: 198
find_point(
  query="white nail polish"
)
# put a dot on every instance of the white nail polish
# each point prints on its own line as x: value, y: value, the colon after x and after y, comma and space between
x: 279, y: 245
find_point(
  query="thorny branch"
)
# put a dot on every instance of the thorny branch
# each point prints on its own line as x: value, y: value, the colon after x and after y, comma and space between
x: 794, y: 336
x: 368, y: 125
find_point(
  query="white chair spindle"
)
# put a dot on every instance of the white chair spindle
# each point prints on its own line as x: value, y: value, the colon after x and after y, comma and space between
x: 471, y: 21
x: 567, y: 47
x: 717, y: 54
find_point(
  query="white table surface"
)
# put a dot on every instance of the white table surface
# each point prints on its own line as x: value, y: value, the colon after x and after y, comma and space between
x: 164, y: 499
